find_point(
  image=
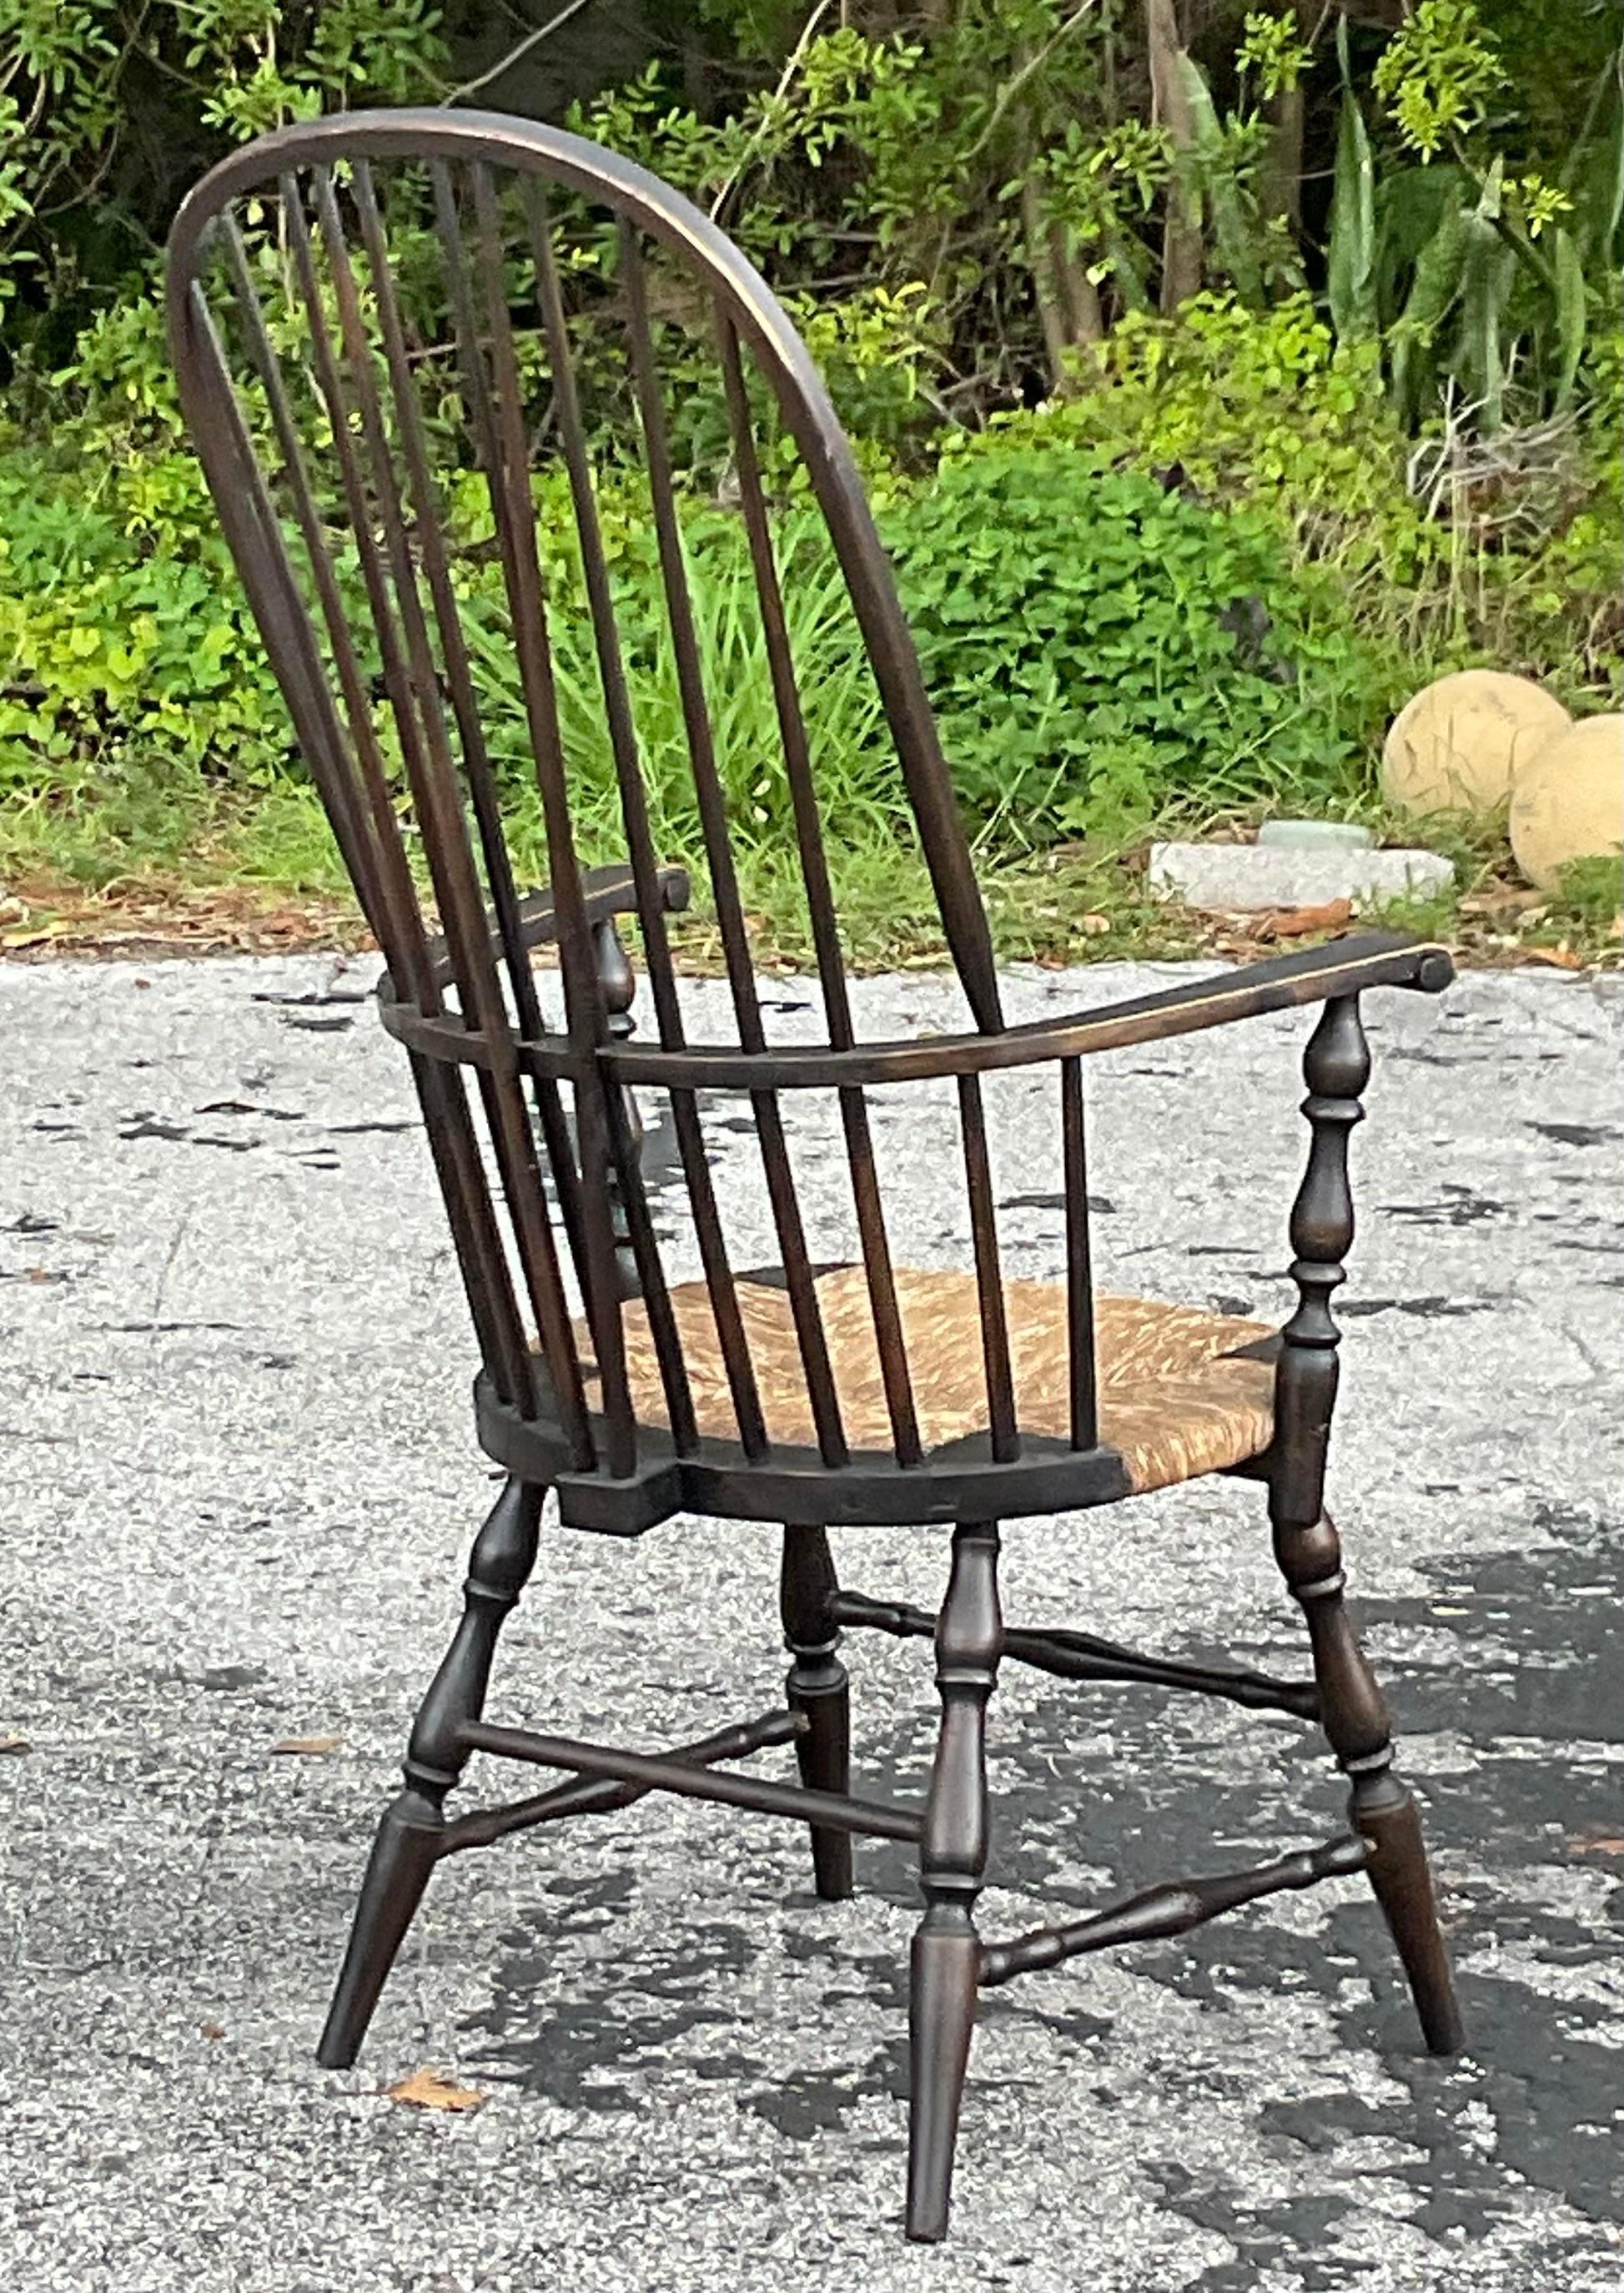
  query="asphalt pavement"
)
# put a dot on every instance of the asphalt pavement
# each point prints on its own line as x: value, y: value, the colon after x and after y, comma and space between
x: 239, y: 1481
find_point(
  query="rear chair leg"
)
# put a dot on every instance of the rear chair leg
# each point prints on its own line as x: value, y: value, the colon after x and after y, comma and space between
x: 817, y: 1689
x: 407, y: 1843
x: 1359, y: 1732
x: 946, y: 1965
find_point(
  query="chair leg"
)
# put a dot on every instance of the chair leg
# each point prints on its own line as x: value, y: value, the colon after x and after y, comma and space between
x: 946, y: 1965
x: 817, y: 1689
x: 1337, y: 1067
x: 1359, y: 1732
x: 407, y: 1843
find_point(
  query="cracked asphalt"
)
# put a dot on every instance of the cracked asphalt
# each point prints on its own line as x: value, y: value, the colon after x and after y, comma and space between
x: 239, y: 1479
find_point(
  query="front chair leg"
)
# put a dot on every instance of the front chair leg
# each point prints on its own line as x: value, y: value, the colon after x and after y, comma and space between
x: 1359, y: 1732
x: 946, y: 1965
x: 815, y: 1688
x: 407, y: 1843
x: 1337, y: 1067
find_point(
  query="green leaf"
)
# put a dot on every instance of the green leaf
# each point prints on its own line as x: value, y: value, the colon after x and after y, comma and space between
x: 1571, y: 317
x: 1236, y: 240
x: 1350, y: 258
x: 1411, y: 206
x: 1431, y: 296
x: 1487, y: 269
x: 1595, y: 176
x: 1128, y: 267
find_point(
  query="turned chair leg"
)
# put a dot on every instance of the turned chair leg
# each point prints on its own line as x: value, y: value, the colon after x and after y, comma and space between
x: 815, y: 1688
x: 1359, y: 1732
x: 946, y: 1965
x: 407, y: 1843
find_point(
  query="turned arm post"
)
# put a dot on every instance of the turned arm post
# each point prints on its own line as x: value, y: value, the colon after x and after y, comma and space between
x: 1336, y: 1068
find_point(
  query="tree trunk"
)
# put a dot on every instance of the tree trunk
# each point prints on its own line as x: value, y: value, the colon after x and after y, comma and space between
x: 1068, y: 299
x: 1181, y: 233
x: 1280, y: 187
x: 1079, y: 295
x: 1052, y: 317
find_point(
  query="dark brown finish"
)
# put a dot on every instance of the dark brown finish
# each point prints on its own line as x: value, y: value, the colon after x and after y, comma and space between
x: 1081, y: 1656
x: 410, y: 1837
x: 374, y: 443
x: 817, y: 1689
x: 1170, y: 1910
x: 484, y: 1827
x: 688, y: 1781
x: 1337, y: 1067
x: 953, y: 1844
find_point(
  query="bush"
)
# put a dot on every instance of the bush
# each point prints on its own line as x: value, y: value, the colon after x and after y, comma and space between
x: 1260, y: 408
x: 1515, y: 566
x: 125, y: 652
x: 1105, y: 646
x: 1101, y: 649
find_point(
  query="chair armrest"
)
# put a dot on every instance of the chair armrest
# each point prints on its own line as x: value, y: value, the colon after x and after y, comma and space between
x: 1311, y: 975
x: 607, y: 893
x: 1319, y: 975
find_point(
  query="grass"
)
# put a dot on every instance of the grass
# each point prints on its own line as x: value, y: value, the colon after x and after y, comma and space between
x: 122, y: 836
x: 152, y: 860
x: 145, y: 843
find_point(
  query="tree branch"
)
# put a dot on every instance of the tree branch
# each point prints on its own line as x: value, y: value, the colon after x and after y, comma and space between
x: 514, y: 55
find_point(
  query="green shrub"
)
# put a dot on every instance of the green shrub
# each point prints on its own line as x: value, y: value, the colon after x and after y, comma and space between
x: 1105, y: 646
x: 1260, y: 408
x: 1514, y: 567
x: 1100, y: 649
x: 125, y: 652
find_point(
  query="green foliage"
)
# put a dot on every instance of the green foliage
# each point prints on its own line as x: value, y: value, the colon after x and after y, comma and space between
x: 1588, y: 890
x: 1438, y: 74
x: 965, y: 208
x: 1102, y: 649
x: 1480, y: 270
x: 111, y: 643
x: 853, y: 762
x: 1351, y: 257
x: 1272, y: 46
x: 93, y: 107
x: 1270, y: 412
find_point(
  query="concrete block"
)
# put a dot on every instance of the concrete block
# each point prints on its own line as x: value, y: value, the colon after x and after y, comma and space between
x: 1237, y: 878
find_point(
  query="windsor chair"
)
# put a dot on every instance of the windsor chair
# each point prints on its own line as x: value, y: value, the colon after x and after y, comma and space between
x: 396, y: 368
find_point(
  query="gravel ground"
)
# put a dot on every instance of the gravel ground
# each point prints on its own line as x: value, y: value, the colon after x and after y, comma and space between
x: 239, y: 1481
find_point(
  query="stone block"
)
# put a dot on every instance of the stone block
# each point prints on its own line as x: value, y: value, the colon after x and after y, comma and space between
x: 1236, y: 879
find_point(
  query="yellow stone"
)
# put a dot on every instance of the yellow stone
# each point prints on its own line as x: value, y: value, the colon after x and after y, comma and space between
x: 1569, y: 803
x: 1458, y: 745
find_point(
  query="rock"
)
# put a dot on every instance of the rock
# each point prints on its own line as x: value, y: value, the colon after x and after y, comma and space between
x: 1235, y: 878
x: 1458, y: 745
x: 1568, y: 802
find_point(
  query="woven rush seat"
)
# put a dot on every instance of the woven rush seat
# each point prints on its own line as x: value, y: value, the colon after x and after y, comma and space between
x: 1181, y: 1392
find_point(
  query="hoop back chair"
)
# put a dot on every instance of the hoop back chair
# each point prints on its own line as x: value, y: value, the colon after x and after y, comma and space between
x: 387, y: 352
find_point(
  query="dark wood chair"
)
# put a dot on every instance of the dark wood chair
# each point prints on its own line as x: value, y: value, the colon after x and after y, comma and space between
x: 374, y: 326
